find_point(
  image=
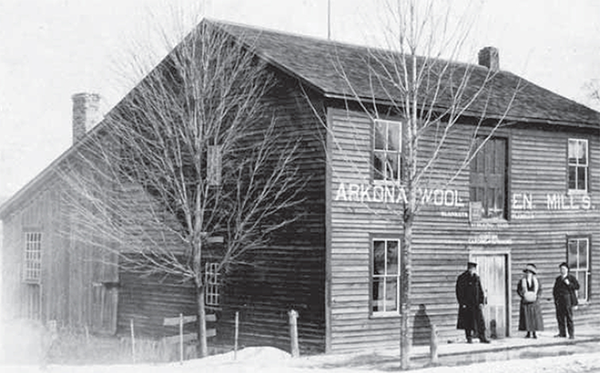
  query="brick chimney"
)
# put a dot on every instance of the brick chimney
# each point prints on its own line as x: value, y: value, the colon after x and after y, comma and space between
x: 490, y: 58
x: 86, y: 113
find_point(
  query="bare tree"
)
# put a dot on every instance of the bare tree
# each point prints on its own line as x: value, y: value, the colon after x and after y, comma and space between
x: 188, y: 158
x: 418, y: 77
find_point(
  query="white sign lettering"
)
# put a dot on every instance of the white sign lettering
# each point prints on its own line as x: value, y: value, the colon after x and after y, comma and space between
x: 349, y: 192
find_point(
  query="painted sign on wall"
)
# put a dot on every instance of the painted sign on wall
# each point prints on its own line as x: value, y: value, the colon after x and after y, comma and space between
x: 385, y: 193
x: 524, y: 204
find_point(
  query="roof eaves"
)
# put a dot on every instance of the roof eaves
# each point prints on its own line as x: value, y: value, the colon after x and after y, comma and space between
x: 530, y: 120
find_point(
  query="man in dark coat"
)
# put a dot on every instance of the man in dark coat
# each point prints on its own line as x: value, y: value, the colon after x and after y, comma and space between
x: 565, y: 299
x: 471, y: 299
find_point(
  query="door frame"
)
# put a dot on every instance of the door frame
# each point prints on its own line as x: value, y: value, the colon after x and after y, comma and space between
x: 504, y: 251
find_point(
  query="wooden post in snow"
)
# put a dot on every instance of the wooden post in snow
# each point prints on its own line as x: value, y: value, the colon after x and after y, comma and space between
x: 293, y: 315
x: 180, y: 338
x: 132, y: 340
x: 237, y: 334
x: 433, y: 346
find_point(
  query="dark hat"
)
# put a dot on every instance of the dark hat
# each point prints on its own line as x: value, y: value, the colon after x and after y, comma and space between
x: 471, y: 264
x: 563, y: 264
x: 530, y: 268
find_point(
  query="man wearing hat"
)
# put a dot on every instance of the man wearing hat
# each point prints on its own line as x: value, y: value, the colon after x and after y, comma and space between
x: 471, y: 299
x: 564, y: 300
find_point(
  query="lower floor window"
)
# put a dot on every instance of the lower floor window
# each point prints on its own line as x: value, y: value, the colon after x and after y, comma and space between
x: 578, y: 258
x: 385, y: 276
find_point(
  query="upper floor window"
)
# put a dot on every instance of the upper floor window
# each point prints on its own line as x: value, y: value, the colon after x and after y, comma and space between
x: 578, y: 258
x: 385, y: 276
x: 387, y: 147
x: 578, y: 165
x: 487, y: 179
x: 32, y: 265
x: 211, y: 281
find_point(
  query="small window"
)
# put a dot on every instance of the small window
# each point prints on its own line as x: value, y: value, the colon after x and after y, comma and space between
x: 578, y: 258
x: 387, y: 148
x: 385, y: 295
x: 578, y: 165
x: 32, y: 271
x: 211, y: 281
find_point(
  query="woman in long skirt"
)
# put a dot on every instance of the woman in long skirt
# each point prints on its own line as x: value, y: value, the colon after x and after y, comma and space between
x: 530, y: 313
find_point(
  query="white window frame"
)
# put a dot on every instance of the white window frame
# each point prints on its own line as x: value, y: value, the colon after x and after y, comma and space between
x: 32, y: 257
x: 386, y: 151
x: 585, y: 166
x: 211, y: 281
x: 581, y: 273
x: 385, y: 310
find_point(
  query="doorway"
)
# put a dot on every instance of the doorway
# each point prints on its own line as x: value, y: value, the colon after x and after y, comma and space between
x: 493, y: 272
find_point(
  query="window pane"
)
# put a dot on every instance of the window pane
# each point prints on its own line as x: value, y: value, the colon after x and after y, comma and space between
x: 583, y: 254
x: 394, y: 136
x: 392, y: 167
x: 582, y: 155
x: 572, y: 254
x: 572, y: 151
x: 581, y: 277
x: 380, y: 132
x: 581, y: 178
x: 379, y: 257
x: 392, y: 257
x: 572, y: 178
x: 391, y: 299
x: 378, y: 292
x: 379, y: 173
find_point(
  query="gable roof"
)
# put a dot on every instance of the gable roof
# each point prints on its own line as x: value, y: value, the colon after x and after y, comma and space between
x: 340, y: 70
x: 322, y: 65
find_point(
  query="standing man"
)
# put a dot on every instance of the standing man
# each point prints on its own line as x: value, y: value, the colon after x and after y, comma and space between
x: 564, y: 300
x: 471, y: 299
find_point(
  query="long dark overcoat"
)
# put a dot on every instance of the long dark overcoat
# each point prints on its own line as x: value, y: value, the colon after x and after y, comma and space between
x: 469, y: 295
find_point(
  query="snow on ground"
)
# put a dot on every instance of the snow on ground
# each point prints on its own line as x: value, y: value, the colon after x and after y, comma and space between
x: 272, y: 360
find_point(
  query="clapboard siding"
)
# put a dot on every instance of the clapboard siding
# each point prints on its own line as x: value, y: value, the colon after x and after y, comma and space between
x: 441, y: 244
x: 290, y: 273
x: 66, y: 272
x: 146, y: 301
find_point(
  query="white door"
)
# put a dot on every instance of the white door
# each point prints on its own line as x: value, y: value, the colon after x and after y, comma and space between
x: 492, y: 271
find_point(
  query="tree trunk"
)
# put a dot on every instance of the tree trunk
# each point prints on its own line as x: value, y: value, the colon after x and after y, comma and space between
x: 202, y: 340
x: 405, y: 303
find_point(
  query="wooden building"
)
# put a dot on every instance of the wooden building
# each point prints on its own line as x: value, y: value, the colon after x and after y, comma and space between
x: 531, y: 195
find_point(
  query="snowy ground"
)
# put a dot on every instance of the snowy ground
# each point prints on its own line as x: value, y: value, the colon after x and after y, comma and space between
x: 271, y: 360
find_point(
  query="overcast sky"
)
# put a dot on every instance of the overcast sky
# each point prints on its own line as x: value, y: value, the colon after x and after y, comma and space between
x: 50, y: 49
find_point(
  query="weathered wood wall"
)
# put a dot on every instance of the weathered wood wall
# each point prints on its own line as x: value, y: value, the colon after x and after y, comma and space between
x: 70, y: 269
x: 148, y: 300
x: 443, y: 237
x: 290, y: 273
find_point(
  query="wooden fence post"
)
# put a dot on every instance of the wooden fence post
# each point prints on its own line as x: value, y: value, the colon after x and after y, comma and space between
x: 433, y: 346
x: 237, y: 334
x: 293, y: 315
x: 180, y: 338
x: 132, y: 340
